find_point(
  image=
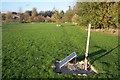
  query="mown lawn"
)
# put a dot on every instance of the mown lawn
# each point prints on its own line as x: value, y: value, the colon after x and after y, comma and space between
x: 29, y: 49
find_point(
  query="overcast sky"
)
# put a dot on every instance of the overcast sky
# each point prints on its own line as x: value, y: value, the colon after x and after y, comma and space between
x: 41, y: 5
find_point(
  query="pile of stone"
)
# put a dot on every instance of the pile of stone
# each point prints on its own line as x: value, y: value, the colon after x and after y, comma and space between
x: 77, y: 68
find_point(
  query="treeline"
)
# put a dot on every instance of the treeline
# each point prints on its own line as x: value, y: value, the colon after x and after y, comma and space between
x: 103, y: 15
x: 28, y: 16
x: 99, y: 14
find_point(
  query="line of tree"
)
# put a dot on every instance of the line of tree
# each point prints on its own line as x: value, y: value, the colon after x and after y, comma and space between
x: 29, y: 16
x: 100, y: 14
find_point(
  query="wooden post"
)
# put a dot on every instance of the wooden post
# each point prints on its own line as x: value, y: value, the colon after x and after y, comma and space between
x: 74, y: 61
x: 87, y: 47
x: 57, y: 67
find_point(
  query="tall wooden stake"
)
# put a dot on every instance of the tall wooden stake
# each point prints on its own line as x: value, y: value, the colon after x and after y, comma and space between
x: 87, y: 47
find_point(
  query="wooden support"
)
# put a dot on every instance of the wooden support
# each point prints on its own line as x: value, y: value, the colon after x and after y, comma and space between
x: 87, y: 47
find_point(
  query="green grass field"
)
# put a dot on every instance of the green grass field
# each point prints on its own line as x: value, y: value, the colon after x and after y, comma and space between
x: 29, y: 49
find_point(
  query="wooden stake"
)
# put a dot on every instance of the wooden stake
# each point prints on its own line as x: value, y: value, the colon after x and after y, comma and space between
x: 87, y: 47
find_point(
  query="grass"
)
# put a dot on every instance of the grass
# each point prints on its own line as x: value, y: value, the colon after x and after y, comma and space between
x: 29, y: 49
